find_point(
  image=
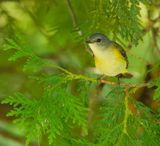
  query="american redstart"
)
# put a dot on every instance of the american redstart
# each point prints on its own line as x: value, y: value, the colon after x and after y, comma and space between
x: 110, y: 58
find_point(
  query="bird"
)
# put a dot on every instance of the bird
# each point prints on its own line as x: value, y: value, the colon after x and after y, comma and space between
x: 110, y: 58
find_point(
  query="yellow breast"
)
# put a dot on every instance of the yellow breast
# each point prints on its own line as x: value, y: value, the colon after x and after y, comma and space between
x: 109, y: 62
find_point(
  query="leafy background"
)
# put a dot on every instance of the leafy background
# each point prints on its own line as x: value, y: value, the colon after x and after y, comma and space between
x: 46, y: 79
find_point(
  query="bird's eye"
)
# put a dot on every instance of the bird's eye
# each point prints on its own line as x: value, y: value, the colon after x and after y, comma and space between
x: 99, y: 40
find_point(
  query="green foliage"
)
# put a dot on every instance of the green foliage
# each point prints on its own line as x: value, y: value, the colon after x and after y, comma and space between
x: 148, y: 127
x: 112, y: 112
x: 121, y: 17
x: 157, y: 91
x: 61, y: 112
x: 26, y: 111
x: 118, y: 125
x: 22, y: 50
x: 55, y: 112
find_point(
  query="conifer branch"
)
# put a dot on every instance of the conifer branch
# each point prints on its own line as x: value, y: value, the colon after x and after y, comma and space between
x: 116, y: 122
x: 74, y: 76
x: 127, y: 112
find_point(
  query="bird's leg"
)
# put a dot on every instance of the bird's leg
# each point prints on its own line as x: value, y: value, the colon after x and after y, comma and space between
x: 99, y: 84
x: 118, y: 81
x: 101, y: 77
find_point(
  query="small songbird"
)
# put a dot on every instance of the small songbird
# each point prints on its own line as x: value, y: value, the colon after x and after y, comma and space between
x: 110, y: 58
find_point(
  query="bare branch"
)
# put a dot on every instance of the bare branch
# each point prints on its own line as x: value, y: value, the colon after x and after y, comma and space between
x: 73, y: 17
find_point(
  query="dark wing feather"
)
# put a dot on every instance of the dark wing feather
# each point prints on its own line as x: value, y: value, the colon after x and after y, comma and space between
x: 122, y: 52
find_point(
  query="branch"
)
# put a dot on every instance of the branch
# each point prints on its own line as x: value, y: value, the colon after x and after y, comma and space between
x: 126, y: 116
x: 75, y: 25
x: 138, y: 85
x: 127, y: 112
x: 73, y: 76
x: 73, y: 17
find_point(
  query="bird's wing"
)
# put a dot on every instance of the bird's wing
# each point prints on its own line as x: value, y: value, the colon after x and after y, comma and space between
x: 122, y: 51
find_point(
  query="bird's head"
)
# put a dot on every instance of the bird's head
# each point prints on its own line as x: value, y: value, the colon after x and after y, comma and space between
x: 98, y: 40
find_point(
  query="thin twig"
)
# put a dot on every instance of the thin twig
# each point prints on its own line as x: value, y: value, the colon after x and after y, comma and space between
x: 127, y: 111
x: 73, y: 17
x: 75, y: 25
x: 74, y: 76
x: 83, y: 77
x: 140, y: 85
x: 124, y: 123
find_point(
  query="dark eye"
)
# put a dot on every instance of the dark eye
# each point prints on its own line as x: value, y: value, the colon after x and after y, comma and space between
x: 99, y: 40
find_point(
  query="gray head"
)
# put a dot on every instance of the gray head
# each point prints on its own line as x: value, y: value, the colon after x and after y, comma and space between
x: 98, y: 39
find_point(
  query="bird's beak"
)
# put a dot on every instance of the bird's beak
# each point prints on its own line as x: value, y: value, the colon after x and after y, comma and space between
x: 88, y: 41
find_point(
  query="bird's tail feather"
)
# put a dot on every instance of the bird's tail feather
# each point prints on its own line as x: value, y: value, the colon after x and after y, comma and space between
x: 125, y: 75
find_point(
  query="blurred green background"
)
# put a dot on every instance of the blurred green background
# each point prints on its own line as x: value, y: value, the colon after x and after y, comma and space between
x: 47, y: 28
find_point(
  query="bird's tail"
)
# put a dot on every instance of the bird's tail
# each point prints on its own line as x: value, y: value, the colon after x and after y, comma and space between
x: 125, y: 75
